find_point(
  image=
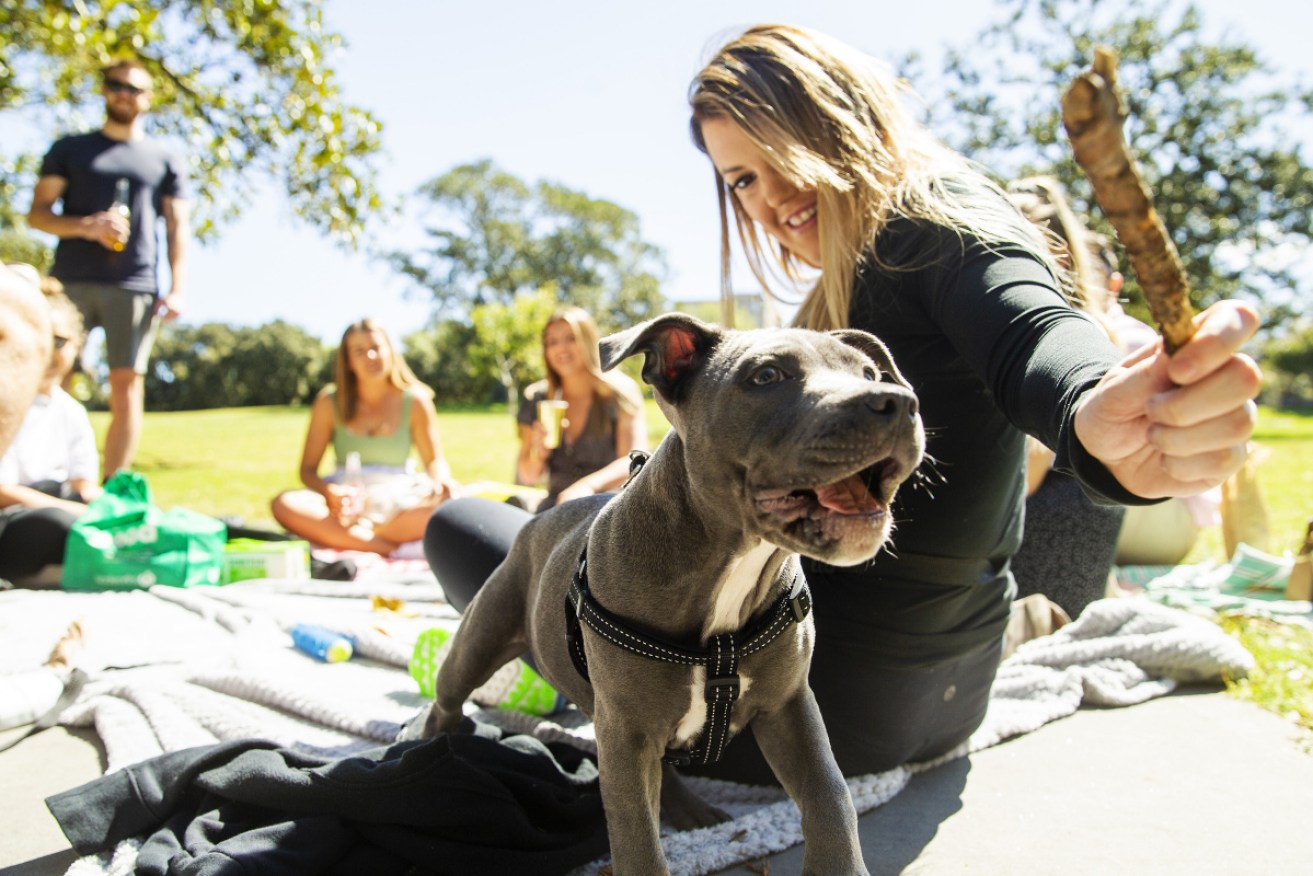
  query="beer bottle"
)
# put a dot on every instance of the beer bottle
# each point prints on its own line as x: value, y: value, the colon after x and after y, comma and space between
x: 123, y: 206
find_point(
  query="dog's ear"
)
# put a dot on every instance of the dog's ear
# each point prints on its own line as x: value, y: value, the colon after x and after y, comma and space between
x: 676, y: 346
x: 874, y: 349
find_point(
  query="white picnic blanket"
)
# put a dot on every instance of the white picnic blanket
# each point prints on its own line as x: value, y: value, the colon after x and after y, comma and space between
x: 175, y: 668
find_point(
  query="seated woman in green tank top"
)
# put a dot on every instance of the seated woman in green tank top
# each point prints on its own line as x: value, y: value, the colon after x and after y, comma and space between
x: 374, y: 416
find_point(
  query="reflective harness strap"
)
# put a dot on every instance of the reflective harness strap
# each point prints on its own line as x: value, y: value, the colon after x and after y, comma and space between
x: 721, y: 657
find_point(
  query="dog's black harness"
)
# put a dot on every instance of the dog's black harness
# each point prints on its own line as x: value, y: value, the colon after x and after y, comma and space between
x: 721, y: 657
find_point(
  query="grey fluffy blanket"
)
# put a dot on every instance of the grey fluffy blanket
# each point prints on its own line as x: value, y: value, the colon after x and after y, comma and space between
x: 178, y: 668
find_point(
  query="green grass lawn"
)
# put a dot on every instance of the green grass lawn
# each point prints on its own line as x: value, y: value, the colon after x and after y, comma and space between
x: 234, y: 460
x: 1285, y: 479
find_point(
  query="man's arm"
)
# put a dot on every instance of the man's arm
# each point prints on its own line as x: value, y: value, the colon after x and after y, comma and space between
x: 177, y: 236
x: 105, y: 228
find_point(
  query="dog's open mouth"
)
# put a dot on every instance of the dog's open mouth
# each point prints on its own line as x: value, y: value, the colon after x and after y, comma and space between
x: 857, y: 495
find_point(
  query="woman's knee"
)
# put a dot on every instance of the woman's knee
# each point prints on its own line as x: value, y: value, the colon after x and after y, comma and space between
x: 465, y: 539
x: 295, y: 505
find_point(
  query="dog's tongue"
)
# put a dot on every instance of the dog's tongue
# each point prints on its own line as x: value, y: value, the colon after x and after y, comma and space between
x: 848, y: 496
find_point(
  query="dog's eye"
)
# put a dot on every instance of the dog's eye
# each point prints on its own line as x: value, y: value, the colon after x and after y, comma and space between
x: 765, y: 375
x: 871, y: 374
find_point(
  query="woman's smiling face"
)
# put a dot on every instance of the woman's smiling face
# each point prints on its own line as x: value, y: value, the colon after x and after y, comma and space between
x: 784, y: 211
x: 562, y: 348
x: 369, y: 355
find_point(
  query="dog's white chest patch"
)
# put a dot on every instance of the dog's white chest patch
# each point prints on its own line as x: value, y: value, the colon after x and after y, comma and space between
x: 695, y: 718
x: 690, y: 725
x: 726, y: 616
x: 727, y: 610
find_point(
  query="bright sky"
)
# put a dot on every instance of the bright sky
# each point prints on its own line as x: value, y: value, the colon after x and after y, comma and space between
x: 588, y: 94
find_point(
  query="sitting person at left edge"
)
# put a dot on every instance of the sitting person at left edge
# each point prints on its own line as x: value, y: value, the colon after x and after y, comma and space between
x: 49, y: 471
x: 376, y: 412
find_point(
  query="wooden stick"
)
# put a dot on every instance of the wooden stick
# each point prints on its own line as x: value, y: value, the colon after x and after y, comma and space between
x: 1092, y: 113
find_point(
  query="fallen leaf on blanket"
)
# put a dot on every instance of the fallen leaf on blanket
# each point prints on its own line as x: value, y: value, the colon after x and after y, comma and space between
x: 739, y: 837
x: 762, y: 867
x: 64, y: 654
x: 391, y: 604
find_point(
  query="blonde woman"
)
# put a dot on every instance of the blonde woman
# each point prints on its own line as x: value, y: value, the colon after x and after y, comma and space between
x: 830, y: 184
x: 379, y: 410
x: 603, y: 416
x: 604, y: 421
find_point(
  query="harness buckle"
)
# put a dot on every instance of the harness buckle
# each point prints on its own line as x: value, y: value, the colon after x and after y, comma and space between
x: 800, y: 605
x: 677, y: 757
x: 728, y: 683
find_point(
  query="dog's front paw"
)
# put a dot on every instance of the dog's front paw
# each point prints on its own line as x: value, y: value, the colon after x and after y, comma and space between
x: 416, y: 727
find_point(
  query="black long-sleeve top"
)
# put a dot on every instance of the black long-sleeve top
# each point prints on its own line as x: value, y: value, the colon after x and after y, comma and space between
x: 994, y: 351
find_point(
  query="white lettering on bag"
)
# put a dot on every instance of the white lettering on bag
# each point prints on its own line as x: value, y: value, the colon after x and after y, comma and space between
x: 144, y: 534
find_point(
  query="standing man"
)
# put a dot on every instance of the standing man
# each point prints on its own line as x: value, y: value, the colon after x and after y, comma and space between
x: 107, y: 260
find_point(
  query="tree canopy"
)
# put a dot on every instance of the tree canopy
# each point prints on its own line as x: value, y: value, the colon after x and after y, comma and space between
x: 509, y: 340
x: 489, y: 236
x: 1215, y: 130
x: 246, y: 89
x: 216, y: 365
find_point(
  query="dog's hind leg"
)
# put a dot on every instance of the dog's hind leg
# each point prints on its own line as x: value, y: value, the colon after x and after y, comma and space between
x: 491, y: 633
x: 681, y: 808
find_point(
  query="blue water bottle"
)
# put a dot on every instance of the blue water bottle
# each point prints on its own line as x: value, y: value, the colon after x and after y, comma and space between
x: 322, y: 643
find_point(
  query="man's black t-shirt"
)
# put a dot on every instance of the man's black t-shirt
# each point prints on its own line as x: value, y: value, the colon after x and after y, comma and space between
x: 92, y: 164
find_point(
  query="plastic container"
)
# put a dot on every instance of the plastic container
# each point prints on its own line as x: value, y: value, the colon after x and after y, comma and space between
x: 246, y: 558
x: 322, y: 643
x: 516, y: 686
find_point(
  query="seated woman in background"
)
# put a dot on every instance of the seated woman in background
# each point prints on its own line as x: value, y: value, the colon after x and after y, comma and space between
x: 49, y: 471
x: 603, y: 421
x: 1068, y: 544
x: 603, y: 416
x: 1071, y: 543
x: 378, y: 411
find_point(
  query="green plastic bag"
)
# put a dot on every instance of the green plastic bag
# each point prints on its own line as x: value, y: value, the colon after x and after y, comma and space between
x: 124, y: 542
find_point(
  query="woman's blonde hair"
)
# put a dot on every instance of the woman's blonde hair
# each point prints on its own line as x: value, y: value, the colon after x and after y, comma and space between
x: 606, y: 385
x: 347, y: 390
x: 832, y: 119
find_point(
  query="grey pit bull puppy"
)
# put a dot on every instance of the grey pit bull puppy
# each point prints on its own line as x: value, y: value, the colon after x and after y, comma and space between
x: 784, y: 442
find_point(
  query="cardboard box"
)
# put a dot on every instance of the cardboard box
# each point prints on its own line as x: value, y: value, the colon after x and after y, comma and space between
x: 246, y: 558
x: 1300, y: 583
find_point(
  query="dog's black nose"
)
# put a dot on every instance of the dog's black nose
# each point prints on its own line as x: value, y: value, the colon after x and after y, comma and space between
x: 893, y: 404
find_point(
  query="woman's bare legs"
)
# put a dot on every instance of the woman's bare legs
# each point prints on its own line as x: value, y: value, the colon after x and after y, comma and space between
x: 305, y: 513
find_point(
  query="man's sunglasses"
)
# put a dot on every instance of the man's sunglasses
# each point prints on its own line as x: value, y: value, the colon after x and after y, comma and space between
x: 118, y: 86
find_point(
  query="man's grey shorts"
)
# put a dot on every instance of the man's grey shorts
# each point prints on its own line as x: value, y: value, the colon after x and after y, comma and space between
x: 128, y: 318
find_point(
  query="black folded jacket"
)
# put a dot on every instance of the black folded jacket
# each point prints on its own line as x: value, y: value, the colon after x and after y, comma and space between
x: 450, y: 805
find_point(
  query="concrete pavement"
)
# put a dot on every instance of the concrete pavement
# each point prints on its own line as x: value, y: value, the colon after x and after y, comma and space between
x: 1193, y: 783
